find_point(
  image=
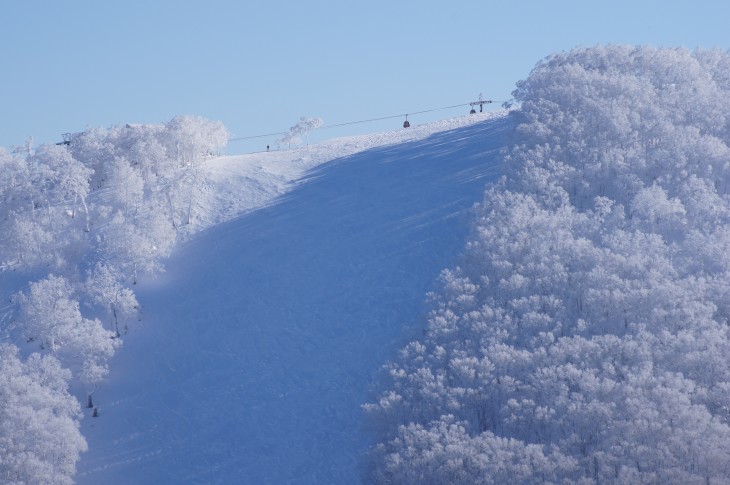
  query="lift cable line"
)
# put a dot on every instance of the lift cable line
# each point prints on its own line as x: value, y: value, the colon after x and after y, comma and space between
x: 404, y: 115
x: 257, y: 136
x: 394, y: 116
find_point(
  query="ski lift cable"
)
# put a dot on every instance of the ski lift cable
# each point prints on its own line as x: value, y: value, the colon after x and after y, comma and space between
x: 394, y: 116
x: 257, y: 136
x: 369, y: 120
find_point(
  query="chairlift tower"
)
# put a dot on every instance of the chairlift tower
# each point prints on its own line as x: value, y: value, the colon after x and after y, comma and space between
x: 481, y: 104
x: 66, y: 138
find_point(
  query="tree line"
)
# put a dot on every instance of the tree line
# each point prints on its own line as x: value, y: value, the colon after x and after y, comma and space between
x: 82, y: 222
x: 584, y: 336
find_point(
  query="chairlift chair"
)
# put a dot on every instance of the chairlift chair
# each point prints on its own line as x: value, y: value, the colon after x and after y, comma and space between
x: 406, y: 124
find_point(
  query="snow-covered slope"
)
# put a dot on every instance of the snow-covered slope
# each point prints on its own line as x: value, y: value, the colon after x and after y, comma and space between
x: 237, y: 184
x: 259, y: 343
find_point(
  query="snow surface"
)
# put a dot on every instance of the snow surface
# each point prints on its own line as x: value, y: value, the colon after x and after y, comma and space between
x: 258, y: 345
x: 237, y: 184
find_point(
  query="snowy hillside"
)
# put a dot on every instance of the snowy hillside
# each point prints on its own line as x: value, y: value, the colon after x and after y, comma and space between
x: 364, y: 310
x: 259, y: 343
x: 236, y: 184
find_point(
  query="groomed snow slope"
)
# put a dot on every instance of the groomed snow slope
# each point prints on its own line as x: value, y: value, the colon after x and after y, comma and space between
x: 259, y: 343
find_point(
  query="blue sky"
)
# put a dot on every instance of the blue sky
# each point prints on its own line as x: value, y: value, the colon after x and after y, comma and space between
x: 259, y: 66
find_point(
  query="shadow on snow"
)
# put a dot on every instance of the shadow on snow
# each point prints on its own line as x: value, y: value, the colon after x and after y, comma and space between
x: 265, y: 333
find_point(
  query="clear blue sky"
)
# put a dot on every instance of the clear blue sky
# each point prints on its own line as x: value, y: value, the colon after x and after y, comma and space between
x: 259, y: 66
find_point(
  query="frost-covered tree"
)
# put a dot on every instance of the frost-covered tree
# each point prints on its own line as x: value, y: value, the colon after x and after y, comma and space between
x: 182, y: 191
x: 126, y: 188
x: 28, y: 240
x: 104, y: 285
x: 58, y: 178
x: 444, y: 452
x: 584, y: 336
x: 302, y: 128
x: 40, y: 440
x: 52, y: 319
x: 14, y: 182
x: 40, y: 193
x: 191, y: 138
x: 134, y: 249
x: 165, y: 156
x: 134, y: 185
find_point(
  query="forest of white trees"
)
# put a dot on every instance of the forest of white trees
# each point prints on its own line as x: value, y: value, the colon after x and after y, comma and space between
x: 81, y: 222
x: 584, y: 336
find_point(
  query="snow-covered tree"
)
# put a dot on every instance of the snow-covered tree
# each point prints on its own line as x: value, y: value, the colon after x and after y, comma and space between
x: 57, y: 177
x: 126, y: 188
x: 133, y: 249
x: 104, y: 285
x: 52, y: 319
x: 134, y: 185
x: 302, y: 128
x: 584, y: 336
x: 191, y: 138
x: 40, y: 195
x: 28, y: 240
x: 40, y: 440
x: 14, y: 182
